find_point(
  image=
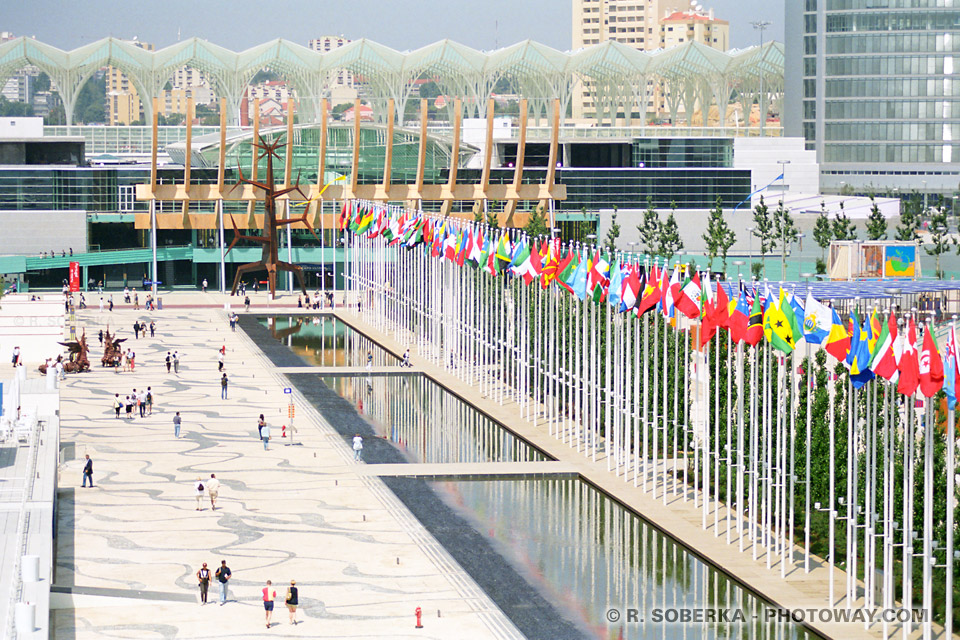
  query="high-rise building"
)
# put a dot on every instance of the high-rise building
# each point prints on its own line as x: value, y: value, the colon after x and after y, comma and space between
x: 325, y: 44
x: 869, y: 84
x: 637, y: 23
x: 123, y: 102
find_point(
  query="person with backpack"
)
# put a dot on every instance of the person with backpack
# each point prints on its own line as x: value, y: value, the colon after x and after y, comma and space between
x: 169, y: 362
x: 199, y: 495
x: 223, y: 575
x: 203, y: 579
x: 149, y: 400
x: 223, y: 387
x: 292, y: 600
x: 117, y: 405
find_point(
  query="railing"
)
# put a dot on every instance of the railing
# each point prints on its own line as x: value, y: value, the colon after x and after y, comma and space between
x: 23, y: 526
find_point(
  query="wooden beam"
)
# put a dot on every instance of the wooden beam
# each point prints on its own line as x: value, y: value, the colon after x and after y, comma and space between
x: 454, y: 155
x: 153, y: 149
x: 355, y: 175
x: 222, y: 165
x: 422, y: 154
x: 288, y: 156
x: 188, y: 156
x: 388, y: 156
x: 554, y: 151
x: 488, y: 151
x: 511, y: 207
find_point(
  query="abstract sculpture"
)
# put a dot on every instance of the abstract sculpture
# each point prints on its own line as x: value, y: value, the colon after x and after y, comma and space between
x: 78, y: 362
x: 112, y: 354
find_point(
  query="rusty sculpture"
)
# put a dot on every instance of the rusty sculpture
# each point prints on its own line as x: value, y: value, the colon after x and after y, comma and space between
x: 78, y: 361
x: 112, y: 353
x: 270, y: 239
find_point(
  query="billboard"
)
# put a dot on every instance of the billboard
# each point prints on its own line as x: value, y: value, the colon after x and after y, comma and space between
x: 74, y: 276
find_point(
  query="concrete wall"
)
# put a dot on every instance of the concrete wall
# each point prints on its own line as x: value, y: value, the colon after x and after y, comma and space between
x: 33, y: 232
x: 21, y: 127
x: 36, y: 327
x: 761, y: 156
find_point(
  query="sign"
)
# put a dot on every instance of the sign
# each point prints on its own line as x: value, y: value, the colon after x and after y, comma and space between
x: 74, y: 276
x: 287, y: 390
x: 148, y: 283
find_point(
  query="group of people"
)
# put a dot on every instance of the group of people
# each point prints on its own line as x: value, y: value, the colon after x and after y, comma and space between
x: 173, y: 360
x: 316, y: 302
x: 268, y: 593
x: 53, y: 254
x: 141, y: 401
x: 212, y: 486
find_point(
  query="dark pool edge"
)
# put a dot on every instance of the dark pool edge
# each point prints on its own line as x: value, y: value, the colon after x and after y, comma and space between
x: 520, y: 601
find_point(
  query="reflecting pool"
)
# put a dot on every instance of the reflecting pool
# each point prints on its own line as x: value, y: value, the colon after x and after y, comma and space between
x: 428, y: 423
x: 325, y: 341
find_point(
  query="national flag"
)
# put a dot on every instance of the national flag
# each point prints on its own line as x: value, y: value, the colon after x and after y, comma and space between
x: 838, y: 340
x: 504, y: 253
x: 414, y: 234
x: 439, y: 236
x: 776, y: 325
x: 886, y: 356
x: 739, y: 318
x: 567, y: 268
x: 859, y: 357
x: 380, y: 224
x: 708, y: 327
x: 667, y: 300
x: 466, y: 241
x: 909, y: 364
x: 721, y: 310
x: 578, y: 282
x: 427, y: 227
x: 550, y: 264
x: 650, y: 291
x: 598, y: 278
x: 615, y: 288
x: 795, y: 315
x: 931, y: 365
x: 950, y: 369
x: 630, y: 289
x: 687, y: 295
x: 365, y: 221
x: 817, y: 320
x: 475, y: 256
x: 754, y: 330
x: 344, y: 214
x: 450, y: 244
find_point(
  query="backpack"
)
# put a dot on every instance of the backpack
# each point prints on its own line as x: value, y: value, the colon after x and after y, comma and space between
x: 149, y: 398
x: 200, y: 487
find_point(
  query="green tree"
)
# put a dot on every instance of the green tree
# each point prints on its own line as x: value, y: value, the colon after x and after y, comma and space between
x: 719, y: 236
x: 42, y: 83
x: 492, y: 221
x: 911, y: 210
x: 822, y: 235
x: 649, y: 228
x: 537, y: 224
x: 763, y: 229
x: 785, y: 232
x: 90, y: 107
x: 876, y: 222
x: 610, y: 242
x: 10, y: 109
x: 669, y: 242
x: 843, y: 229
x: 56, y: 116
x: 337, y: 111
x: 938, y: 235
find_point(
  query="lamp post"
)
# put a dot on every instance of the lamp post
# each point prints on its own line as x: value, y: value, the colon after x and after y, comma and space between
x: 761, y: 26
x: 783, y: 175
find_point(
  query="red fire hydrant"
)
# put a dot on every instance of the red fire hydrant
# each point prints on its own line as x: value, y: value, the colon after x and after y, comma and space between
x: 419, y: 613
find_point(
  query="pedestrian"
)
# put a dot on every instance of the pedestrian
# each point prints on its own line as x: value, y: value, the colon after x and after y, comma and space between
x: 133, y: 359
x: 117, y: 405
x: 136, y: 329
x: 153, y: 328
x: 265, y: 436
x: 292, y: 600
x: 203, y: 578
x: 136, y: 300
x: 61, y: 373
x: 176, y: 425
x: 16, y: 356
x: 101, y: 334
x: 269, y: 595
x: 126, y: 295
x: 129, y: 404
x: 88, y: 472
x: 261, y: 423
x: 149, y: 399
x: 101, y: 304
x: 222, y: 575
x: 246, y: 303
x: 168, y: 362
x: 199, y: 493
x: 223, y: 387
x: 213, y: 490
x: 176, y: 363
x: 204, y: 287
x: 110, y: 303
x: 369, y: 360
x: 357, y: 447
x: 220, y: 361
x: 406, y: 358
x: 142, y: 403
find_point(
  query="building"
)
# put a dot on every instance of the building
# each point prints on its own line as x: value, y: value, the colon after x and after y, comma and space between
x: 326, y: 44
x: 870, y: 89
x: 123, y: 102
x: 693, y: 25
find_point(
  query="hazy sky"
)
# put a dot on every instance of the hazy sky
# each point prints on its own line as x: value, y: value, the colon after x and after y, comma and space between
x: 401, y: 24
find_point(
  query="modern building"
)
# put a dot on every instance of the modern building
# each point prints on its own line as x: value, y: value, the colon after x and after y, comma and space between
x: 123, y: 101
x: 694, y: 25
x: 869, y: 84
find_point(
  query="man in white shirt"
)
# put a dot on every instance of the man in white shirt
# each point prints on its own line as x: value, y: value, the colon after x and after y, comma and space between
x: 213, y: 489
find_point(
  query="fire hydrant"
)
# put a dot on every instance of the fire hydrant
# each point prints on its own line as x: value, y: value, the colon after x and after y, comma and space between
x: 419, y: 613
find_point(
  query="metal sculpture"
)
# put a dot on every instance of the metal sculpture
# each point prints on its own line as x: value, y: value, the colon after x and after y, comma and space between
x: 112, y: 353
x: 78, y: 362
x: 270, y: 240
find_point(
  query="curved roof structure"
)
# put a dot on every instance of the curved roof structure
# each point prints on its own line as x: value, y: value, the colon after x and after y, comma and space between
x: 614, y: 71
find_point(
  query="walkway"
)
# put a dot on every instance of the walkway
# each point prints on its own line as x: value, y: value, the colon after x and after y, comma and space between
x: 128, y: 549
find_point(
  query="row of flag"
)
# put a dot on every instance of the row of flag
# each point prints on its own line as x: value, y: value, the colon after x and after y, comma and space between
x: 872, y: 347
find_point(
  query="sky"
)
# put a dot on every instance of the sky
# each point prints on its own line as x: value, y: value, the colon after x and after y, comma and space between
x: 401, y: 24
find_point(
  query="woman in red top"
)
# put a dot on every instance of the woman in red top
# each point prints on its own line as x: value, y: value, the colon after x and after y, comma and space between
x: 269, y: 595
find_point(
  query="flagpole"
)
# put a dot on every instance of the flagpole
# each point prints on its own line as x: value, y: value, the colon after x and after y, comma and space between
x: 729, y: 451
x: 929, y: 428
x: 740, y: 515
x: 665, y: 424
x: 951, y: 488
x: 676, y: 411
x: 646, y: 392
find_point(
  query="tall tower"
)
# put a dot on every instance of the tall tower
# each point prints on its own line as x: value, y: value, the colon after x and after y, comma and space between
x: 123, y: 102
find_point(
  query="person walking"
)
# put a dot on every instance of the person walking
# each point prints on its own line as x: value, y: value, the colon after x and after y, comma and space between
x: 261, y: 423
x: 117, y: 405
x: 88, y: 471
x: 136, y: 329
x: 199, y: 493
x: 176, y: 363
x: 136, y: 300
x: 223, y: 387
x: 213, y: 490
x: 369, y: 360
x: 203, y: 579
x: 357, y: 447
x: 16, y: 356
x: 169, y: 362
x: 265, y: 436
x: 269, y: 595
x: 220, y: 361
x: 223, y: 575
x: 406, y: 358
x: 129, y: 403
x: 204, y: 285
x: 110, y: 303
x: 153, y: 328
x: 246, y: 303
x: 292, y: 600
x: 149, y: 399
x: 100, y: 336
x: 101, y: 304
x: 176, y: 425
x: 142, y: 403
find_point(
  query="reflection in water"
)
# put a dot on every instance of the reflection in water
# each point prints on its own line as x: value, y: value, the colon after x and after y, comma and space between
x: 324, y: 341
x: 427, y: 422
x: 589, y: 555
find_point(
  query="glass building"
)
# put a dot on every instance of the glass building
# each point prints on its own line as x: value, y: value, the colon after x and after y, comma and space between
x: 870, y: 86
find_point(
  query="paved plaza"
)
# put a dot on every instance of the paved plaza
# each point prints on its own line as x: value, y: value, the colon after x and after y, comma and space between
x: 129, y: 549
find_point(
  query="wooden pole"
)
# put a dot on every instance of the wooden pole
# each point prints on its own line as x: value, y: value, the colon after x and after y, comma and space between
x: 422, y: 155
x: 487, y: 152
x: 454, y: 155
x: 511, y: 207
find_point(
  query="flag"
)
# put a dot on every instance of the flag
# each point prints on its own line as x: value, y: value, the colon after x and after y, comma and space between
x: 739, y: 317
x: 794, y: 313
x: 566, y: 270
x: 598, y: 278
x: 550, y: 264
x: 687, y: 295
x: 817, y: 320
x: 931, y: 365
x: 838, y: 340
x: 520, y: 256
x: 708, y: 327
x: 365, y: 221
x: 859, y: 357
x: 721, y: 310
x: 630, y: 291
x: 754, y: 330
x: 909, y: 365
x: 475, y: 255
x: 950, y: 369
x: 344, y: 215
x: 776, y: 325
x: 450, y: 245
x: 504, y: 253
x: 615, y: 288
x: 650, y: 291
x: 886, y: 356
x: 667, y: 300
x: 578, y: 283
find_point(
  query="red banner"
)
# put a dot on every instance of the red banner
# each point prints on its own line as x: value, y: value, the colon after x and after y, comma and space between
x: 74, y: 276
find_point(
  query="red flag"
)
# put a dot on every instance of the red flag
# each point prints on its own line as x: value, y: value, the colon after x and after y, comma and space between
x: 931, y: 365
x: 909, y: 366
x: 721, y: 311
x: 650, y: 291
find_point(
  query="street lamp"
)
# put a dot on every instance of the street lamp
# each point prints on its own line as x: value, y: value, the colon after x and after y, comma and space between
x: 761, y: 26
x: 738, y: 264
x: 783, y: 175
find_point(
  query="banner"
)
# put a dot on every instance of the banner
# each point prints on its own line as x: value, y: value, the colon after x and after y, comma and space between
x: 74, y: 276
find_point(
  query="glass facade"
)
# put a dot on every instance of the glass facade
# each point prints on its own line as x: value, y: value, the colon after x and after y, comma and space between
x: 878, y: 83
x: 663, y: 153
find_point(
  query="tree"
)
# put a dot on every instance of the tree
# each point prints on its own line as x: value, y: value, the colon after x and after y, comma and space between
x: 649, y: 228
x: 57, y: 116
x: 42, y: 83
x: 876, y: 223
x: 14, y: 109
x: 938, y: 235
x: 492, y: 221
x: 610, y: 243
x: 719, y: 236
x: 785, y: 232
x: 822, y: 235
x: 537, y: 225
x: 763, y: 229
x: 337, y: 111
x: 843, y: 229
x: 91, y: 101
x: 669, y: 242
x: 911, y: 210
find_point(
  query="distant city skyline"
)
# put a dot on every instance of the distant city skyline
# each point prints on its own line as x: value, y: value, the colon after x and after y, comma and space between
x: 401, y: 25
